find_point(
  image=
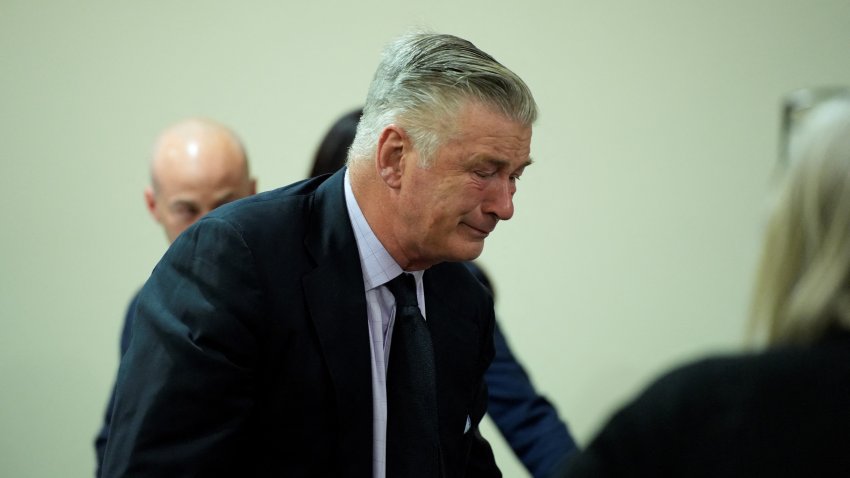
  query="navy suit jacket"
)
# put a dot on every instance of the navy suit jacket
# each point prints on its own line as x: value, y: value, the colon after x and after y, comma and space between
x: 103, y: 433
x: 250, y: 350
x: 527, y: 420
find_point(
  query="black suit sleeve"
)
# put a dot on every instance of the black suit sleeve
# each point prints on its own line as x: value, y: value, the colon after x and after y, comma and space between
x: 100, y: 439
x: 186, y: 385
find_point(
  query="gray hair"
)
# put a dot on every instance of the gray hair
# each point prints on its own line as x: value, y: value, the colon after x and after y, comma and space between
x: 422, y: 82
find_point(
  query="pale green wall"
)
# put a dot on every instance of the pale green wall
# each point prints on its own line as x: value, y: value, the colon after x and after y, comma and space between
x: 636, y: 230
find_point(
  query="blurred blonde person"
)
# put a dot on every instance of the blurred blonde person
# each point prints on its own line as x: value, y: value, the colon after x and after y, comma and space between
x: 782, y: 411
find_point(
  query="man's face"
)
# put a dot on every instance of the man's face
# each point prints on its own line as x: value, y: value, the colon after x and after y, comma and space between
x: 192, y: 181
x: 449, y: 208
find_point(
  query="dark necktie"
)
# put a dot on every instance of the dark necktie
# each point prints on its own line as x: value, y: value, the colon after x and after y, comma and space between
x: 413, y: 442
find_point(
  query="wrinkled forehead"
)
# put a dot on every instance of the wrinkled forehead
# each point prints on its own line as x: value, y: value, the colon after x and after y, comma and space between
x: 492, y: 132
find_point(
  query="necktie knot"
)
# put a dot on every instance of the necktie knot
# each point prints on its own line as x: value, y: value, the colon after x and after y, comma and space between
x: 403, y: 288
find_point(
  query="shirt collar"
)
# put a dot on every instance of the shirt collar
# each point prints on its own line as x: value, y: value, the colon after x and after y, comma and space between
x: 377, y: 264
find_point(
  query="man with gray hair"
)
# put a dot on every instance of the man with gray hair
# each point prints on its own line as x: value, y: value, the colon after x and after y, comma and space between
x: 325, y: 328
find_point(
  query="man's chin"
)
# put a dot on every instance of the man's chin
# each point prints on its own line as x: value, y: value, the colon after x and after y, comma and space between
x: 469, y: 252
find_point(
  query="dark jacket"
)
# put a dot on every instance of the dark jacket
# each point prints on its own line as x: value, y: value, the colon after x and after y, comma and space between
x: 250, y: 350
x: 781, y: 413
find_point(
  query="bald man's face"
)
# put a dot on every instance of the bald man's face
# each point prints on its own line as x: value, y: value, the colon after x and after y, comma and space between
x: 194, y: 175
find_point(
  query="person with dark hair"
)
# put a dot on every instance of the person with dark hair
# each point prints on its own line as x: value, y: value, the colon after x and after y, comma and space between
x: 325, y: 328
x: 781, y: 411
x: 333, y: 149
x: 527, y: 420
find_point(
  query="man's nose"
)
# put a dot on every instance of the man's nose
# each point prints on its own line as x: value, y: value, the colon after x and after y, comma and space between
x: 500, y: 199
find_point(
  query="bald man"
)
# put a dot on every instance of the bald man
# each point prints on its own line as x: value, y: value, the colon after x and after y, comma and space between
x: 196, y: 166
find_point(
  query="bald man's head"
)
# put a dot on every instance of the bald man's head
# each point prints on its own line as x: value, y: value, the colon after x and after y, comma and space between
x: 197, y: 165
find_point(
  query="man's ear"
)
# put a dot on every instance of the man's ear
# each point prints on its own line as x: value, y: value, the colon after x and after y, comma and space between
x: 150, y: 202
x: 392, y: 151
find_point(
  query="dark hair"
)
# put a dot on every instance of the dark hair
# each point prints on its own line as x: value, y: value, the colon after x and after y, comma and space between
x: 333, y: 150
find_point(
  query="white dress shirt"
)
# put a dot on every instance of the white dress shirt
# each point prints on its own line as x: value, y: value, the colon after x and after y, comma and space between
x: 378, y: 268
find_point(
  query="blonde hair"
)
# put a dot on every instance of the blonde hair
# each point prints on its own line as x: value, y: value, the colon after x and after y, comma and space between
x: 802, y: 286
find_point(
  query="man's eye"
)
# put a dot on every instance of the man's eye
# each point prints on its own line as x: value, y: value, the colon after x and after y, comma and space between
x: 484, y: 174
x: 185, y: 211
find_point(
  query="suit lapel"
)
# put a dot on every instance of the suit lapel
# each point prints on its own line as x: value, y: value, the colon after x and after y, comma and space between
x: 453, y: 323
x: 452, y: 316
x: 336, y: 301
